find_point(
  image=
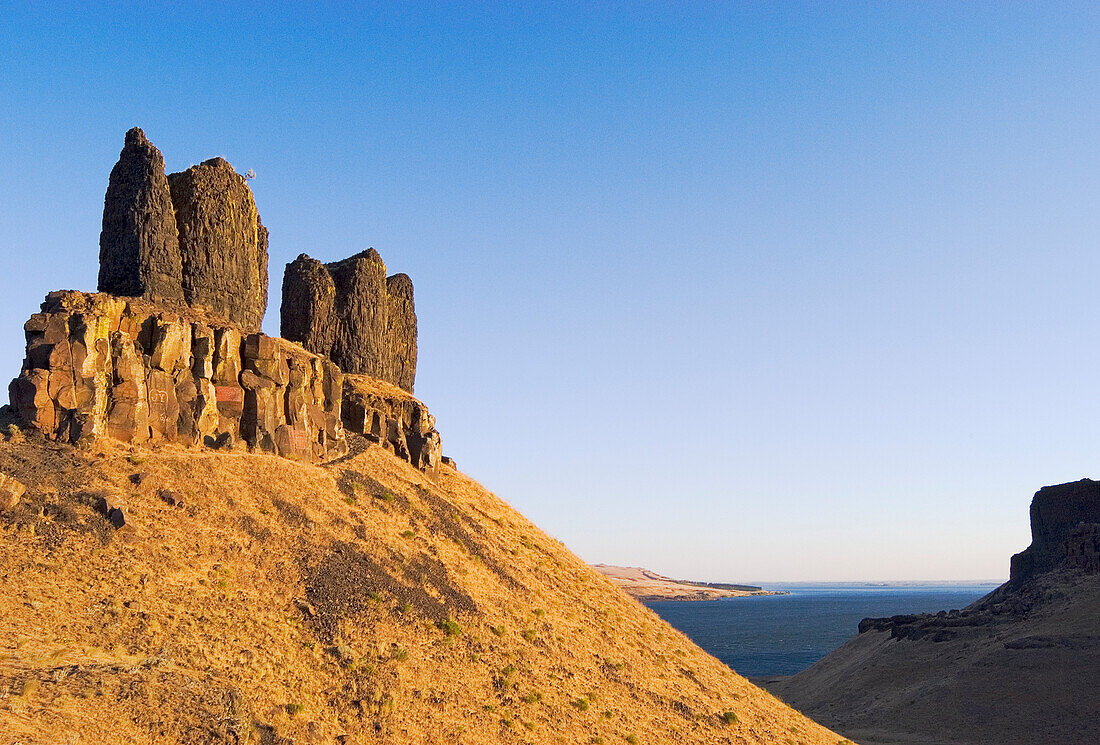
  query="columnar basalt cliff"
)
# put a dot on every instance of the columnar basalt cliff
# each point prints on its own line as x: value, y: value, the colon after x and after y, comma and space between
x: 1065, y: 530
x: 387, y: 415
x: 193, y: 236
x: 223, y: 244
x: 139, y: 249
x: 352, y: 313
x: 99, y: 365
x: 170, y: 350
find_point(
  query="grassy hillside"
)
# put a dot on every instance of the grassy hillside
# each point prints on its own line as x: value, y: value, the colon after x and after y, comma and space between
x: 252, y: 599
x: 1022, y: 667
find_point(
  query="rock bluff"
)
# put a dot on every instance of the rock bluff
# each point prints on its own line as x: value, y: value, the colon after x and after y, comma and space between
x: 194, y: 236
x: 170, y: 348
x: 352, y: 313
x: 1065, y: 531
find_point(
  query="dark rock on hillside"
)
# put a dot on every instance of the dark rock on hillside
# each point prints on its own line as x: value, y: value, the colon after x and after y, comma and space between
x: 223, y: 244
x: 352, y: 313
x: 1065, y: 529
x: 139, y: 250
x: 361, y: 310
x: 306, y: 313
x: 401, y: 332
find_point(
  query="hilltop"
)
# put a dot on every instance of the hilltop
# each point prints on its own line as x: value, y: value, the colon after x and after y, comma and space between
x: 251, y: 598
x: 647, y: 585
x: 1017, y: 667
x: 211, y: 535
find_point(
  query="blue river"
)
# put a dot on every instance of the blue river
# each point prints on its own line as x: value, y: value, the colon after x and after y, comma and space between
x: 784, y: 634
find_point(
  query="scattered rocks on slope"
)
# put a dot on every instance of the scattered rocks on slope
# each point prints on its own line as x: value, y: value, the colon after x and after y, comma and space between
x: 139, y: 250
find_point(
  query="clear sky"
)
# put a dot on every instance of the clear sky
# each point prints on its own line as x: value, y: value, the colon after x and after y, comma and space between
x: 746, y: 291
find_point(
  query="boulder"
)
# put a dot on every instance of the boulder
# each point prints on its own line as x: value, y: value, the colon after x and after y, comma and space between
x: 11, y: 491
x: 139, y: 250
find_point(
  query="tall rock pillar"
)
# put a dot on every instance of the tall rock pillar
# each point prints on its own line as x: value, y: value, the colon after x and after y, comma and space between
x: 139, y: 250
x: 222, y: 242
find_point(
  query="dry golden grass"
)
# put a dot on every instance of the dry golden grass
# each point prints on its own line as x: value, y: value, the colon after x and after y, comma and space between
x: 355, y: 602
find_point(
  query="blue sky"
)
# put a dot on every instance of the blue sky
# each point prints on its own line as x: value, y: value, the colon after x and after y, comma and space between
x: 739, y: 292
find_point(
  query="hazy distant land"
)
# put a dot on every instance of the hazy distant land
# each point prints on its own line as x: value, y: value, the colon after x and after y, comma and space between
x: 643, y: 584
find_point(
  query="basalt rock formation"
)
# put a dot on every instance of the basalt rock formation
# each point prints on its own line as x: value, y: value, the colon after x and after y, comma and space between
x: 1065, y: 530
x: 387, y: 415
x: 170, y: 349
x: 139, y: 250
x: 355, y: 315
x: 134, y: 371
x: 223, y: 244
x: 194, y: 236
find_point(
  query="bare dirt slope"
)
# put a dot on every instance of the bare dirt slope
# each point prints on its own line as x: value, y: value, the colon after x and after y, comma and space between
x: 1019, y: 667
x: 252, y: 599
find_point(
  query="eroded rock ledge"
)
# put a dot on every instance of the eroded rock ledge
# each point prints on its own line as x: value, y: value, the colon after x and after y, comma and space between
x: 99, y: 365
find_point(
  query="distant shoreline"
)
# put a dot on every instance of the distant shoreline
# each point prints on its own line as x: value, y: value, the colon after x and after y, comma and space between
x: 646, y: 586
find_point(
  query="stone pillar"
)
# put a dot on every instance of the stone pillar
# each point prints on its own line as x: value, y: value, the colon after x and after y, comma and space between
x: 139, y: 252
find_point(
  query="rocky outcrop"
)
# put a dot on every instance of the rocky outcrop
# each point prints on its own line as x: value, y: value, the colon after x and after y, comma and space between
x: 223, y: 244
x: 352, y: 313
x: 1065, y: 530
x: 135, y: 371
x: 386, y: 414
x: 194, y: 236
x: 139, y: 250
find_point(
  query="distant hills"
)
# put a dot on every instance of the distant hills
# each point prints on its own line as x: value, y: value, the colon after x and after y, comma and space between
x: 646, y: 585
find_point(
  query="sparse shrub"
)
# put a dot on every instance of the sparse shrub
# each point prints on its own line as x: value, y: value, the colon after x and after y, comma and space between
x: 528, y: 634
x: 408, y: 534
x: 405, y: 608
x: 136, y: 460
x: 294, y: 709
x: 580, y: 704
x: 632, y: 739
x: 374, y: 597
x: 532, y: 698
x: 729, y: 717
x: 350, y: 500
x: 607, y: 714
x: 399, y: 654
x: 498, y: 630
x: 387, y: 496
x: 529, y: 726
x: 539, y: 612
x: 506, y: 722
x: 450, y: 628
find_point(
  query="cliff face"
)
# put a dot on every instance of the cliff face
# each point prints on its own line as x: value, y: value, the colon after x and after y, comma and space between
x: 171, y: 350
x: 132, y: 370
x: 139, y: 250
x: 1065, y: 530
x: 193, y: 236
x: 353, y: 314
x: 1019, y: 666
